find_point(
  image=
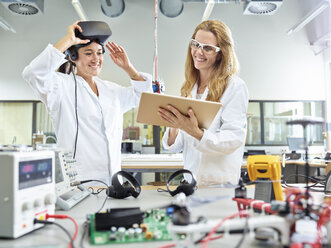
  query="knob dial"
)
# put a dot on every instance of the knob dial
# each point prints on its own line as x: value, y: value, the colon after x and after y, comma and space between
x: 37, y: 203
x: 26, y: 206
x: 50, y: 199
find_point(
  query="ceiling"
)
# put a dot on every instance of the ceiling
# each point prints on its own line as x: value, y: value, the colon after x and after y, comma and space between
x: 259, y: 37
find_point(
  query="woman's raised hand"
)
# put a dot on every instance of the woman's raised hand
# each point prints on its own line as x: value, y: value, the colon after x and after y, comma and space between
x: 71, y: 34
x: 70, y: 39
x: 118, y: 55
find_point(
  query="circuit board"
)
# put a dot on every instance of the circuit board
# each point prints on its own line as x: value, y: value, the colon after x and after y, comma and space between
x: 153, y: 228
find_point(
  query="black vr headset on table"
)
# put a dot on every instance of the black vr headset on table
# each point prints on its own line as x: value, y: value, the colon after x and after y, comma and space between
x: 119, y: 190
x: 184, y: 186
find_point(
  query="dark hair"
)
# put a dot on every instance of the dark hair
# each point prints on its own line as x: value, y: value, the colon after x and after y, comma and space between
x: 72, y: 52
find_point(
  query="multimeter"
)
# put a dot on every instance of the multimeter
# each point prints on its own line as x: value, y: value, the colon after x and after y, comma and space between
x: 265, y: 169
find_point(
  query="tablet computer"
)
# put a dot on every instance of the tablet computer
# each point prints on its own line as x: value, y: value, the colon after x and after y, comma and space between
x: 205, y: 111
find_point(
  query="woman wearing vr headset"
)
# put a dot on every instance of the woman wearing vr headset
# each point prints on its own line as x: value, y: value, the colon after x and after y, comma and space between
x: 86, y: 111
x: 214, y: 155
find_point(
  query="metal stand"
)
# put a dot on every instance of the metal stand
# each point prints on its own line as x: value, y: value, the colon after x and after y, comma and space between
x: 304, y: 123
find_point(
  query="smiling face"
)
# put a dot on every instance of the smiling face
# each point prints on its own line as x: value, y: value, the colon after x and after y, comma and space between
x: 89, y: 62
x: 204, y: 61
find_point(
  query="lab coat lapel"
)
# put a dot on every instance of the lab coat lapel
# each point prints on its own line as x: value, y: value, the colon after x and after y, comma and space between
x: 205, y: 94
x: 89, y: 90
x: 194, y: 92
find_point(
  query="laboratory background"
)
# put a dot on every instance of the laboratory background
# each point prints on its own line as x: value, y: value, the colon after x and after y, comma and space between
x: 283, y: 48
x: 284, y: 60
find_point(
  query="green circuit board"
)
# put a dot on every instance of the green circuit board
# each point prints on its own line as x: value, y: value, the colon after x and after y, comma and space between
x: 156, y: 221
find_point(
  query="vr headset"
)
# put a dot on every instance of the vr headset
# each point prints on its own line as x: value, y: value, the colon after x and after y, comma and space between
x: 119, y: 190
x: 93, y: 31
x: 186, y: 187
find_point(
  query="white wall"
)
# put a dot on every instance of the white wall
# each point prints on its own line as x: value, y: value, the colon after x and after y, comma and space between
x: 273, y: 64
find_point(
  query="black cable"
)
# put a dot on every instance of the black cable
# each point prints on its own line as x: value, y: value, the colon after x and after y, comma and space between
x: 98, y: 191
x: 86, y: 225
x: 162, y: 190
x: 200, y: 239
x: 244, y: 233
x: 58, y: 225
x: 95, y: 180
x: 76, y: 113
x: 91, y: 180
x: 102, y: 205
x: 304, y: 176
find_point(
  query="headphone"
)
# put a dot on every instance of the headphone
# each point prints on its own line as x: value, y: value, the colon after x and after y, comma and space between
x: 121, y: 191
x: 72, y: 52
x: 184, y: 186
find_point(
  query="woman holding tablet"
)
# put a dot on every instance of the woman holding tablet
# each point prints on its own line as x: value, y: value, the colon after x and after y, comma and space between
x: 213, y: 155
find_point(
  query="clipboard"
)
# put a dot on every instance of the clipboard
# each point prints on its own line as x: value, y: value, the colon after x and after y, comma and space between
x: 205, y: 111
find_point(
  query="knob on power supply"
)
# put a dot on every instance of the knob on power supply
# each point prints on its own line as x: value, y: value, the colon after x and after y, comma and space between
x: 26, y: 206
x: 50, y: 199
x: 37, y: 203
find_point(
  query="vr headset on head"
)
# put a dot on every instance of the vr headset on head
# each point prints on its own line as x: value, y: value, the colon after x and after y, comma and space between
x: 93, y: 31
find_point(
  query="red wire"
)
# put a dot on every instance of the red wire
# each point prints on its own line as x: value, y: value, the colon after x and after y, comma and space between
x: 168, y: 245
x: 76, y: 228
x: 173, y: 244
x: 206, y: 240
x: 64, y: 216
x: 210, y: 234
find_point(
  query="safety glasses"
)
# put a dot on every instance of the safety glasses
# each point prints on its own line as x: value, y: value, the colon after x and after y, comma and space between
x: 205, y: 47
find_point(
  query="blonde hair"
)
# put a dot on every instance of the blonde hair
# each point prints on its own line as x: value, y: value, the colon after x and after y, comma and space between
x: 223, y: 69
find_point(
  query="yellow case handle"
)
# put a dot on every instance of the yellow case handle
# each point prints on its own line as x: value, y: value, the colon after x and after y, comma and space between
x: 266, y: 166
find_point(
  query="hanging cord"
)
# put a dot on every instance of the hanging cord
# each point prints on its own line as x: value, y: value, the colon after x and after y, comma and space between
x: 64, y: 216
x: 46, y: 222
x: 155, y: 84
x: 86, y: 225
x: 155, y: 42
x: 76, y: 112
x: 60, y: 216
x: 93, y: 180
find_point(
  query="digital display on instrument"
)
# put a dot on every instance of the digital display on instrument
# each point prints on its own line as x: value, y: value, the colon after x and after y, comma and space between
x: 27, y: 168
x: 34, y: 172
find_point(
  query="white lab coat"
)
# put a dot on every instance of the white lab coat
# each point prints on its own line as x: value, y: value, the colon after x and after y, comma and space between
x: 217, y: 157
x: 98, y: 152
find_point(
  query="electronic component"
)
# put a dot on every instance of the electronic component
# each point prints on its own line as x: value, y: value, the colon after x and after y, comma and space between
x: 118, y: 217
x: 67, y: 196
x: 149, y: 229
x: 29, y: 193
